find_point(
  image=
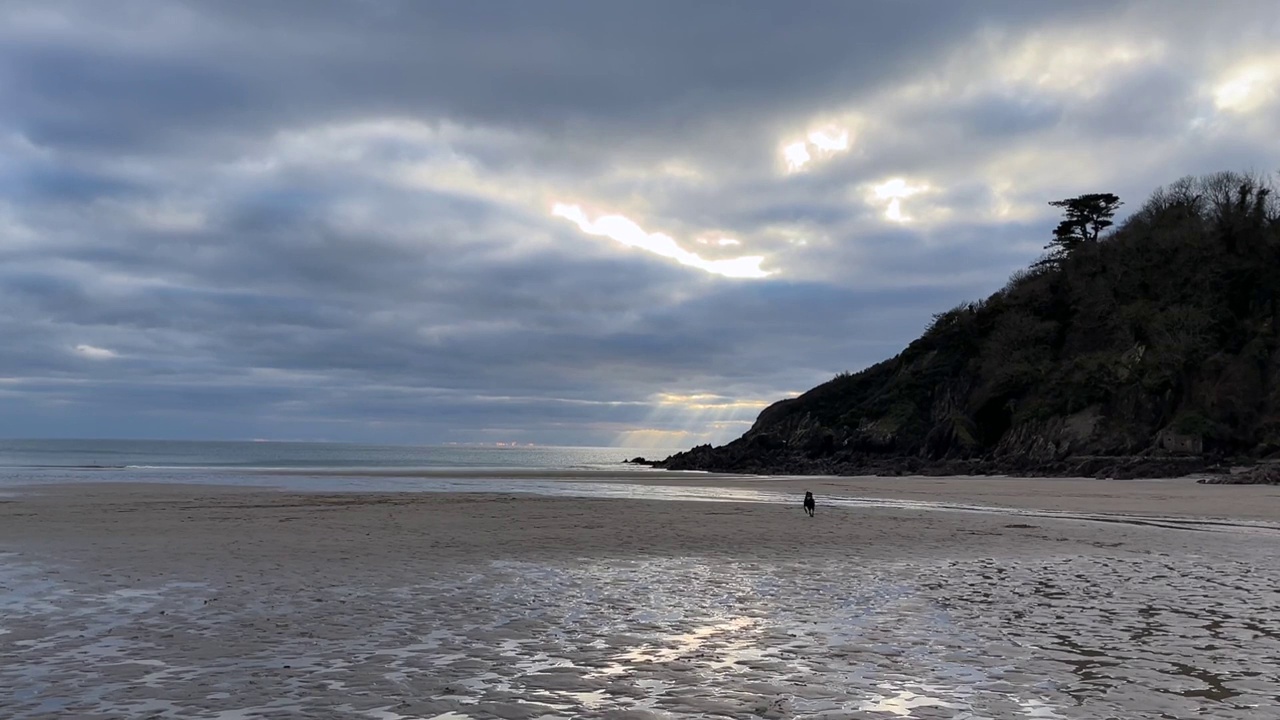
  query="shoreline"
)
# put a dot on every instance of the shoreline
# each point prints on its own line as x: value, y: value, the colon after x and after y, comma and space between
x: 183, y: 528
x: 1162, y: 497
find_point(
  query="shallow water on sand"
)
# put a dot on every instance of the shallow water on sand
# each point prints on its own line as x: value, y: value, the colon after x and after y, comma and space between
x: 1065, y: 637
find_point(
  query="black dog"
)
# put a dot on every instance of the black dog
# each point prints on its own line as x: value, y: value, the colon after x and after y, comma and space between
x: 808, y: 503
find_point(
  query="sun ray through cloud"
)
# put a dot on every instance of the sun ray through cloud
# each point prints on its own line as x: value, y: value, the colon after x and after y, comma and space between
x: 697, y: 418
x: 627, y: 232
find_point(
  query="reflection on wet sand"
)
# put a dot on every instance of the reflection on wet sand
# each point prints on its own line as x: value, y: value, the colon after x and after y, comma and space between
x: 704, y: 641
x: 204, y: 604
x: 902, y: 702
x: 958, y: 639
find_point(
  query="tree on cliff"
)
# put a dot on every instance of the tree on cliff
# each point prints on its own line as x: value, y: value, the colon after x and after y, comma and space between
x: 1086, y: 217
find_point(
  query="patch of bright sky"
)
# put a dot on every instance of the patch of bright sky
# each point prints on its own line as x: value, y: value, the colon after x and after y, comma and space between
x: 626, y: 231
x: 646, y: 438
x: 722, y: 242
x: 678, y: 420
x: 1248, y: 86
x: 1078, y: 64
x: 895, y: 191
x: 705, y: 401
x: 796, y: 156
x: 825, y: 143
x: 95, y: 353
x: 830, y: 140
x: 1042, y: 66
x: 1048, y: 65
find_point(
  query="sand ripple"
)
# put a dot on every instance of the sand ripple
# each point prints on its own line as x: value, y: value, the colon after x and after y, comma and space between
x: 1064, y: 637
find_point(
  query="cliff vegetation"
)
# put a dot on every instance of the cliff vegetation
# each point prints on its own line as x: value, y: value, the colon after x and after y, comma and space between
x: 1145, y: 348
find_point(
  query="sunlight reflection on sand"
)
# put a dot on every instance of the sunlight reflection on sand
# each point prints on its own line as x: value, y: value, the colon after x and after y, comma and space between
x: 962, y: 639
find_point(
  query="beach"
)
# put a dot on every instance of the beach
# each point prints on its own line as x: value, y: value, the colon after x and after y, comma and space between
x: 952, y: 598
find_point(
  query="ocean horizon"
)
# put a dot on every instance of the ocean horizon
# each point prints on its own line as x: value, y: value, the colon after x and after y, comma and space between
x: 298, y: 465
x: 71, y: 453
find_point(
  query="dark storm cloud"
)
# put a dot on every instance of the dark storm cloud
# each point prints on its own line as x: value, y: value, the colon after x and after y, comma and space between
x: 333, y: 219
x: 1005, y: 115
x: 80, y: 97
x: 1148, y: 102
x: 574, y: 69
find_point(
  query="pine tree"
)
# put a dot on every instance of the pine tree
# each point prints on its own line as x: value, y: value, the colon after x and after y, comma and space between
x: 1086, y: 217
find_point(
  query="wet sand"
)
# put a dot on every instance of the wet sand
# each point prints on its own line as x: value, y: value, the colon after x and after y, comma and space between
x: 1168, y: 497
x: 211, y: 602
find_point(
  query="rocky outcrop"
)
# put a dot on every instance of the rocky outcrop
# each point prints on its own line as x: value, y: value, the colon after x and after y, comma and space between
x: 1153, y: 352
x: 1266, y: 474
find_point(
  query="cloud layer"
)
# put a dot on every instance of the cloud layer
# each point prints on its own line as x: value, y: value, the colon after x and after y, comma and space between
x: 562, y: 222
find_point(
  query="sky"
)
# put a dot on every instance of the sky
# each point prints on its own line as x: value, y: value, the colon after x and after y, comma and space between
x: 629, y: 223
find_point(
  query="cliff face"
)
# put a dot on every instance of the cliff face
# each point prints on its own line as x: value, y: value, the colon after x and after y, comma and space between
x: 1152, y: 351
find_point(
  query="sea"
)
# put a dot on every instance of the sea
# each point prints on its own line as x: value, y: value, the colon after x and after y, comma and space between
x: 322, y: 466
x: 535, y: 470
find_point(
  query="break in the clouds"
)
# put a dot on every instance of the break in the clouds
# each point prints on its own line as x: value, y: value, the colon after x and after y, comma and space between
x: 629, y: 223
x: 628, y: 233
x: 95, y: 353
